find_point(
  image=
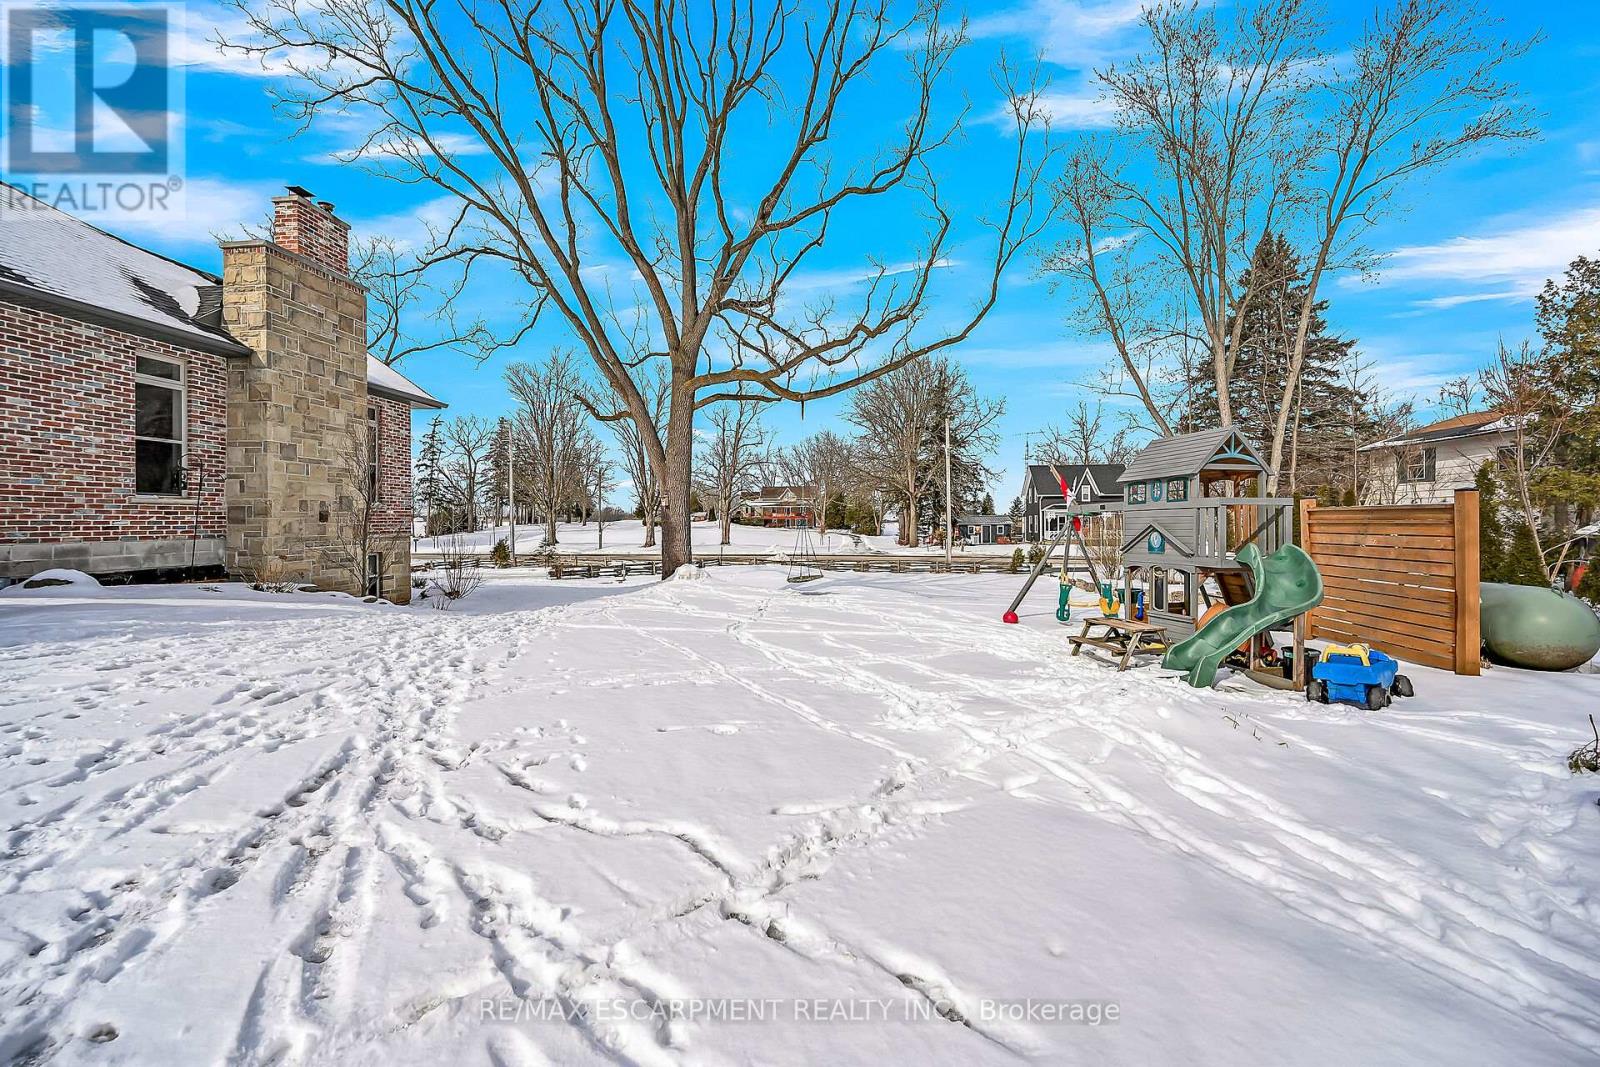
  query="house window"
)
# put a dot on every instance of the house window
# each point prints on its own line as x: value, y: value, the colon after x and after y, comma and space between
x: 1172, y: 592
x: 1136, y: 493
x: 158, y: 424
x: 1177, y: 489
x: 1417, y: 465
x: 372, y: 453
x: 375, y: 574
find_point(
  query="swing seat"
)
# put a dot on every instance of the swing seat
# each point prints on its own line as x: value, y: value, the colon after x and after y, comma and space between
x: 801, y: 579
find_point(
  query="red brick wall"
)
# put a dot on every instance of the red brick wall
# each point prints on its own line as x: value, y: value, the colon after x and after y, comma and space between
x: 394, y: 464
x: 66, y: 433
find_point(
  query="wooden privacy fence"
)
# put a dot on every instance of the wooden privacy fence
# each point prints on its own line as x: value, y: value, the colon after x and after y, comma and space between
x: 1403, y: 579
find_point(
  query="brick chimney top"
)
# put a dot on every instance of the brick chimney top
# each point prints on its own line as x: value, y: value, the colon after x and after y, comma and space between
x: 302, y: 225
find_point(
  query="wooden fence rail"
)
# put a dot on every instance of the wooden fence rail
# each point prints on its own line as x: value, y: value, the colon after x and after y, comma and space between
x: 1402, y: 578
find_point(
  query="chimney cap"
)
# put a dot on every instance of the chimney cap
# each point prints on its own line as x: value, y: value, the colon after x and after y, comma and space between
x: 300, y: 190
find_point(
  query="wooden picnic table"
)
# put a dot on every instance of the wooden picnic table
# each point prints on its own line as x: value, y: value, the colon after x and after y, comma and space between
x: 1125, y: 637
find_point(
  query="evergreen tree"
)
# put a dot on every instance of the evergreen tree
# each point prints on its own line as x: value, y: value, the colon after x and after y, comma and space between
x: 1017, y: 513
x: 1491, y: 527
x: 1321, y: 425
x: 1568, y: 317
x: 430, y: 487
x: 1523, y: 564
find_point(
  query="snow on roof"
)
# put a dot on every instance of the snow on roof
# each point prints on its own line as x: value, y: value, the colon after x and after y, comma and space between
x: 49, y: 253
x: 386, y: 381
x: 1469, y: 425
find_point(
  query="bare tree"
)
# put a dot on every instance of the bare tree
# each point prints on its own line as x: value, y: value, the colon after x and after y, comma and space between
x: 1228, y: 132
x: 901, y: 422
x: 361, y: 530
x: 617, y: 163
x: 549, y: 430
x: 824, y: 463
x: 733, y: 451
x: 407, y: 314
x: 468, y: 445
x: 1458, y: 396
x: 1088, y: 435
x: 654, y: 387
x: 1515, y: 386
x: 1428, y: 87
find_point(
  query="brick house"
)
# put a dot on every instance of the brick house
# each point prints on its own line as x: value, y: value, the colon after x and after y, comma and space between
x: 791, y: 506
x: 155, y: 418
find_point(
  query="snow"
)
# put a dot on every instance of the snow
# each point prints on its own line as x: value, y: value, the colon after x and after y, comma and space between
x: 627, y: 536
x: 281, y: 828
x: 62, y: 579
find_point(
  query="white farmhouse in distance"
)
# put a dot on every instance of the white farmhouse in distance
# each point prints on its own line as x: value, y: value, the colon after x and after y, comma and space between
x: 1427, y: 465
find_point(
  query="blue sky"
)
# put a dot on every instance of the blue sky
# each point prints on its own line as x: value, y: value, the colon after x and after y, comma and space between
x: 1474, y: 245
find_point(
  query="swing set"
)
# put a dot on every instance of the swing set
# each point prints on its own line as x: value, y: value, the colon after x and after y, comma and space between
x: 1071, y: 531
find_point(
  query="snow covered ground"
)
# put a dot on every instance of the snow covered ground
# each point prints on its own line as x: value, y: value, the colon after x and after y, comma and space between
x: 657, y: 823
x: 628, y: 536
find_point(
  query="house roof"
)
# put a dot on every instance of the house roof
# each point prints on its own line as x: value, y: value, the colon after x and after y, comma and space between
x: 1184, y: 454
x: 775, y: 493
x: 1044, y: 482
x: 386, y: 381
x: 50, y: 259
x: 1469, y: 425
x: 983, y: 520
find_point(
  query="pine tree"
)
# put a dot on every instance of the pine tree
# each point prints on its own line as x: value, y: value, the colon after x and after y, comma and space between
x: 1523, y: 564
x: 430, y: 490
x: 1491, y: 527
x: 1322, y: 423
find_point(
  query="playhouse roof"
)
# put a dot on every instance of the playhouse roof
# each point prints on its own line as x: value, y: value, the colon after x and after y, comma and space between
x: 1188, y: 453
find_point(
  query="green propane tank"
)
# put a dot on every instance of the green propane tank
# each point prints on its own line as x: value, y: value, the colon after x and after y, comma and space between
x: 1541, y: 629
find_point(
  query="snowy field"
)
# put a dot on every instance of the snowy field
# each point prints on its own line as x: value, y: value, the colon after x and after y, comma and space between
x: 598, y: 822
x: 628, y: 536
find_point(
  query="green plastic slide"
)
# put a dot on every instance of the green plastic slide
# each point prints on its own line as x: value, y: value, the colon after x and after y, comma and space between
x: 1286, y: 584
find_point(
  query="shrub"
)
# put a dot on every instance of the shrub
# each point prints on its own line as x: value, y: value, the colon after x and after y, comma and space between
x: 1035, y: 553
x: 1523, y: 565
x: 500, y: 555
x: 1586, y: 757
x: 1491, y: 528
x: 1016, y: 561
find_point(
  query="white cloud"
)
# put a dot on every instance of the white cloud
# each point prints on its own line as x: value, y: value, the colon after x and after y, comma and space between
x: 1072, y: 33
x: 1517, y: 258
x: 1444, y: 303
x: 212, y: 207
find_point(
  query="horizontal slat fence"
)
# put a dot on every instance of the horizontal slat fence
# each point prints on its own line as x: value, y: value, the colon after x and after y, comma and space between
x: 1401, y: 578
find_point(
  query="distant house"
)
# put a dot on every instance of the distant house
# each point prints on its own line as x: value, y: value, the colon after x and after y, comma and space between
x: 157, y: 419
x: 792, y: 506
x: 1044, y: 508
x: 1427, y: 465
x: 984, y: 529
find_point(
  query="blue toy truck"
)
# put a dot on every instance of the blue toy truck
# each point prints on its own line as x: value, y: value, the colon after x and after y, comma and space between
x: 1356, y: 674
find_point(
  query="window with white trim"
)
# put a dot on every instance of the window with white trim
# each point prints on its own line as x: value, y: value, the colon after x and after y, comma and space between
x: 158, y: 426
x: 1417, y: 464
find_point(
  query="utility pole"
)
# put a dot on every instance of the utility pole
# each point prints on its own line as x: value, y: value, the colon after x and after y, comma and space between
x: 600, y: 511
x: 949, y: 505
x: 511, y: 483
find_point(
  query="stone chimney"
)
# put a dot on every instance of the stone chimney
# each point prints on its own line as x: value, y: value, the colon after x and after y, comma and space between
x: 311, y: 229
